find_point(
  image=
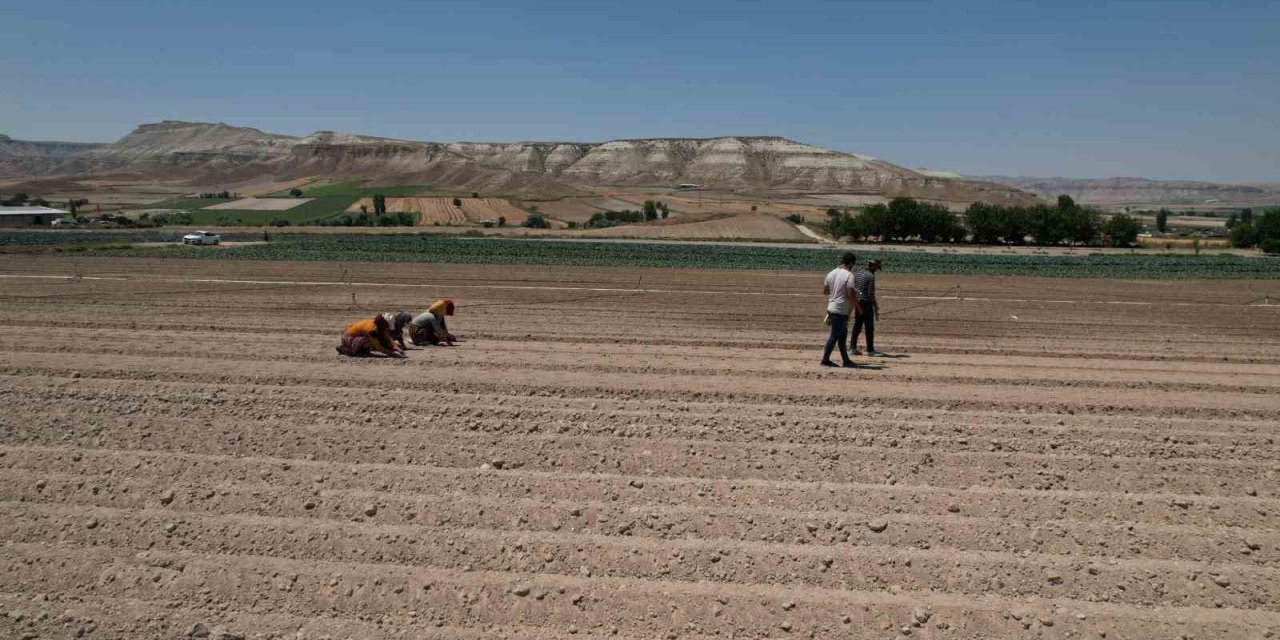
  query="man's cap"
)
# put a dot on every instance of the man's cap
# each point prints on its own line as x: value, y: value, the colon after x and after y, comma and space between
x: 875, y: 263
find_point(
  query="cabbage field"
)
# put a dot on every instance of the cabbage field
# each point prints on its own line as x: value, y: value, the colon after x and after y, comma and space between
x: 473, y: 250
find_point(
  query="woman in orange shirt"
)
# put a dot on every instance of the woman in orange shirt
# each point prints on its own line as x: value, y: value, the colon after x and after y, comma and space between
x: 366, y: 336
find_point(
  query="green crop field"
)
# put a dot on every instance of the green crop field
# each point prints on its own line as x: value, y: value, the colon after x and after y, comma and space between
x: 464, y: 250
x: 318, y: 209
x: 189, y: 203
x: 353, y: 190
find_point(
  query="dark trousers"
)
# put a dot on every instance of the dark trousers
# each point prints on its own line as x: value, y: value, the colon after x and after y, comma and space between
x: 866, y: 319
x: 839, y: 333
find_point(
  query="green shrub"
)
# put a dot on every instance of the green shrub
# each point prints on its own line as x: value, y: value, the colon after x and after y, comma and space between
x: 536, y: 221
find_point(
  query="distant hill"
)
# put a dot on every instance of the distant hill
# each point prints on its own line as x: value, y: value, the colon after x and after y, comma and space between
x: 208, y: 153
x: 32, y: 157
x: 1117, y: 192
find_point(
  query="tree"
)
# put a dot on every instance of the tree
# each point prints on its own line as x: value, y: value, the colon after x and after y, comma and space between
x: 1047, y: 224
x: 536, y: 221
x: 457, y: 202
x: 379, y: 204
x: 650, y: 210
x: 17, y: 199
x: 1244, y: 236
x: 1122, y: 230
x: 983, y: 222
x: 753, y: 208
x: 1085, y: 224
x: 502, y: 221
x: 364, y: 208
x: 1162, y: 220
x: 1066, y: 203
x: 39, y: 202
x: 295, y: 192
x: 475, y: 194
x: 1246, y: 215
x: 874, y: 220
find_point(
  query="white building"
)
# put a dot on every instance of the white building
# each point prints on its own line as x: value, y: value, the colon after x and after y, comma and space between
x: 29, y: 216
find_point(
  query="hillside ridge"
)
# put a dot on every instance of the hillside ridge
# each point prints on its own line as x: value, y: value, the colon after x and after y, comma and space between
x: 215, y: 153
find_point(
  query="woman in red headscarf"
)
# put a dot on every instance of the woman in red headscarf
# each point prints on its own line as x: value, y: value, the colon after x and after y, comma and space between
x: 366, y: 336
x: 430, y: 327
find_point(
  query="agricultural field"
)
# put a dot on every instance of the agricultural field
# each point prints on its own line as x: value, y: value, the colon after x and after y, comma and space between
x: 318, y: 208
x: 580, y: 210
x: 697, y: 206
x: 731, y: 228
x: 490, y: 209
x: 353, y: 190
x: 188, y: 203
x: 260, y: 204
x: 632, y: 453
x: 440, y: 211
x: 435, y: 211
x: 434, y: 248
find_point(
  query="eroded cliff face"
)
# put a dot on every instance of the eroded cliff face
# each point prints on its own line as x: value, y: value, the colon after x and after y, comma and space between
x: 1117, y: 192
x: 36, y: 157
x: 204, y: 151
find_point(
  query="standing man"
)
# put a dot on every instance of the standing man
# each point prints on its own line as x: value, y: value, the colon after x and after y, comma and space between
x: 841, y: 300
x: 864, y: 283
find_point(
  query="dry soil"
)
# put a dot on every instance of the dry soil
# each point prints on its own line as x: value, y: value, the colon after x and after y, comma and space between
x: 632, y: 454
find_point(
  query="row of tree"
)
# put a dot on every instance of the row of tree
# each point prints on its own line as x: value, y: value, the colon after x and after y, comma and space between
x: 904, y: 219
x: 1263, y: 232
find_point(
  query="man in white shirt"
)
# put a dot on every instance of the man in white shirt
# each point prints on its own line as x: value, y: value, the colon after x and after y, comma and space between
x: 841, y: 301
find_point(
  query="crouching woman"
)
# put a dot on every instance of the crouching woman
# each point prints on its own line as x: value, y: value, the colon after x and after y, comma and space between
x: 430, y: 327
x: 365, y: 337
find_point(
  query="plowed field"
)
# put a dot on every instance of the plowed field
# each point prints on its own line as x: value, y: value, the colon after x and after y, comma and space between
x: 481, y: 209
x: 434, y: 210
x: 631, y: 453
x: 747, y: 225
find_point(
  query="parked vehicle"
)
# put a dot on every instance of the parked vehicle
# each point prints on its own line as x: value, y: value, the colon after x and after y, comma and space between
x: 201, y: 238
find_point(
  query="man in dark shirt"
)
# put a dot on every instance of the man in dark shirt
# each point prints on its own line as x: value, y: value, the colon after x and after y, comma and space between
x: 864, y: 284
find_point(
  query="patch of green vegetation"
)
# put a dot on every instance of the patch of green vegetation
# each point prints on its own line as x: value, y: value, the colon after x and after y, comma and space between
x: 317, y: 209
x: 188, y: 203
x: 354, y: 190
x: 457, y: 250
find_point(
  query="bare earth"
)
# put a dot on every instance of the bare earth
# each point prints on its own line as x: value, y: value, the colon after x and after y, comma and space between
x: 631, y: 453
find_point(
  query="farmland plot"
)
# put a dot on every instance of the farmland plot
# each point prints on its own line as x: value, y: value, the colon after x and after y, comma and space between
x: 602, y: 459
x: 434, y: 210
x: 734, y: 227
x: 482, y: 209
x: 260, y: 204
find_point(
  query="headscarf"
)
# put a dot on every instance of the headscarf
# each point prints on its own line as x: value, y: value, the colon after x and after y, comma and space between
x: 441, y: 308
x: 397, y: 319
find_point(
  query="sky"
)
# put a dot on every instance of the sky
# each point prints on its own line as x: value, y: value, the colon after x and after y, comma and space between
x: 1171, y: 89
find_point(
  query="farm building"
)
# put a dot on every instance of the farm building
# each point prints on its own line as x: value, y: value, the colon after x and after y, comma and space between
x: 29, y: 216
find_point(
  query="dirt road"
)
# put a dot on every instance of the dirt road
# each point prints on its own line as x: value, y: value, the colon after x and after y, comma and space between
x: 182, y: 453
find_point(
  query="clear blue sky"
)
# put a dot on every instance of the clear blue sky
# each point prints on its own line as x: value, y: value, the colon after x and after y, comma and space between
x: 1086, y: 89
